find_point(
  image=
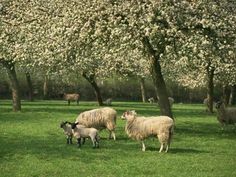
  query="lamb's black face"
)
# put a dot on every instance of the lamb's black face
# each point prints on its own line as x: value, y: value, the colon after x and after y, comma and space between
x: 62, y: 124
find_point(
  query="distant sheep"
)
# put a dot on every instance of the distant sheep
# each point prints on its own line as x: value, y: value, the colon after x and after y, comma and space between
x: 140, y: 128
x: 72, y: 97
x: 102, y: 118
x: 79, y: 131
x: 151, y: 100
x: 225, y: 115
x: 108, y: 101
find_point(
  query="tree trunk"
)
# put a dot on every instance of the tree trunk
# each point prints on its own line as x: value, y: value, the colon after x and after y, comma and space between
x: 232, y: 95
x: 154, y: 57
x: 226, y: 94
x: 15, y: 88
x: 210, y: 87
x: 45, y: 87
x: 97, y: 92
x: 30, y: 86
x: 143, y: 90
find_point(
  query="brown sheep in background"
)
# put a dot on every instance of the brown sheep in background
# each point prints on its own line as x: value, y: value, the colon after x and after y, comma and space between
x: 71, y: 97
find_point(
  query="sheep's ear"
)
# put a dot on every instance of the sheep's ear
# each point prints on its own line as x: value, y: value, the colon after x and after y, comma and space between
x: 76, y: 123
x: 133, y: 112
x: 69, y: 123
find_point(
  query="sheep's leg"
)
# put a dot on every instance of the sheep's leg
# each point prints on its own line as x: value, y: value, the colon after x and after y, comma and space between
x: 161, y: 148
x: 113, y: 135
x: 167, y: 147
x: 77, y: 102
x: 96, y: 141
x: 69, y: 102
x: 143, y: 146
x: 83, y: 140
x: 79, y: 142
x: 70, y: 140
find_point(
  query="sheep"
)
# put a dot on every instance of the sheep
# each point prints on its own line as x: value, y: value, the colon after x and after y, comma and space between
x: 68, y: 132
x: 140, y: 128
x: 225, y: 115
x: 108, y: 101
x: 102, y: 118
x: 79, y: 131
x: 151, y: 100
x: 72, y: 97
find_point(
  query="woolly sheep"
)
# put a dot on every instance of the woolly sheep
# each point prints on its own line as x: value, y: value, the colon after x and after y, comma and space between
x: 140, y: 128
x: 102, y: 118
x: 68, y: 132
x: 79, y: 131
x: 225, y: 115
x: 71, y: 97
x: 108, y: 101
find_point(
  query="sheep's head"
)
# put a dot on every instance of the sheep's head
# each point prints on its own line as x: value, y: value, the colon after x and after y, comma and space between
x: 128, y: 115
x: 73, y: 125
x: 63, y: 124
x: 218, y: 104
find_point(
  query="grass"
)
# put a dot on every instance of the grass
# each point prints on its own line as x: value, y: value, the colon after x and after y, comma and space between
x: 33, y: 145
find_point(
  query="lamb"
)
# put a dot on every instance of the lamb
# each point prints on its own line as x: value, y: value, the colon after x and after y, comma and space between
x: 140, y: 128
x: 72, y: 97
x: 68, y: 132
x: 102, y: 118
x: 225, y: 115
x: 108, y: 101
x: 79, y: 131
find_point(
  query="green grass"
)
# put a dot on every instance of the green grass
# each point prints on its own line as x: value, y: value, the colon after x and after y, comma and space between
x: 32, y: 144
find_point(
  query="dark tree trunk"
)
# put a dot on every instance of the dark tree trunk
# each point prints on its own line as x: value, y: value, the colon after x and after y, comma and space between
x: 226, y: 94
x: 232, y: 95
x: 210, y: 87
x: 30, y: 86
x: 93, y: 83
x: 45, y: 87
x: 154, y: 57
x: 143, y: 90
x: 15, y: 88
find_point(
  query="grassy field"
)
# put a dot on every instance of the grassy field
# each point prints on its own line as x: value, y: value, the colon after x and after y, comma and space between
x: 33, y: 145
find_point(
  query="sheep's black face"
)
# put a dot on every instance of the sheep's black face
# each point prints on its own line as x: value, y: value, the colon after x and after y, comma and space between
x: 73, y: 125
x: 62, y: 124
x: 218, y: 104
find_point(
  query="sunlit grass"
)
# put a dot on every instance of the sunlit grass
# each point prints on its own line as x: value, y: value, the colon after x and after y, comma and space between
x: 32, y: 144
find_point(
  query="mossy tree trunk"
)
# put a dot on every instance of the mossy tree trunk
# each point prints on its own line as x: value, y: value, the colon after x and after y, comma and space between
x: 30, y: 86
x: 15, y: 88
x: 91, y: 80
x: 158, y: 80
x: 232, y: 95
x: 143, y: 89
x: 210, y: 86
x: 45, y: 87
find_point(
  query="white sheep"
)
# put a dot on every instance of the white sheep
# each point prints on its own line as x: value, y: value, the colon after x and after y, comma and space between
x: 79, y: 131
x: 140, y: 128
x: 102, y: 118
x: 68, y: 132
x: 225, y: 115
x: 71, y: 97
